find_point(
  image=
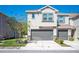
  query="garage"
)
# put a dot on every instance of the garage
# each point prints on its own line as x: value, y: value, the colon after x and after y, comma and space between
x: 42, y: 34
x: 63, y: 34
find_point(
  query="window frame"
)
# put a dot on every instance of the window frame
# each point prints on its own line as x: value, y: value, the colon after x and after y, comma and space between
x: 48, y: 15
x: 33, y: 16
x: 61, y: 20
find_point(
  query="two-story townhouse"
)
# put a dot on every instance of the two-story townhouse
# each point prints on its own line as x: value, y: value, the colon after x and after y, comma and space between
x: 47, y: 24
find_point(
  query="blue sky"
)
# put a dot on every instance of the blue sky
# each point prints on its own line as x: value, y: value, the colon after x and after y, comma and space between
x: 18, y: 11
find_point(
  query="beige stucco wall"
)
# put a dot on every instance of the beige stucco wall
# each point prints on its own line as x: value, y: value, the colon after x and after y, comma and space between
x: 66, y: 20
x: 71, y: 22
x: 35, y: 23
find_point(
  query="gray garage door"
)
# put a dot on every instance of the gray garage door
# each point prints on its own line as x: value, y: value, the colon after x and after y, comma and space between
x: 63, y: 34
x: 41, y: 34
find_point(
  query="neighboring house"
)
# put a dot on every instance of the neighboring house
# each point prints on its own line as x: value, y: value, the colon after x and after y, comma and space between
x: 47, y: 24
x: 75, y: 19
x: 5, y: 29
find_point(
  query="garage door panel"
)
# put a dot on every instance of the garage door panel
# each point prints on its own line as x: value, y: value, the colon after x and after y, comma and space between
x: 42, y: 35
x: 63, y: 34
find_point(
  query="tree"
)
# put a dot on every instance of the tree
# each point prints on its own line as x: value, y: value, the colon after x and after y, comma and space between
x: 14, y: 25
x: 24, y: 29
x: 19, y: 27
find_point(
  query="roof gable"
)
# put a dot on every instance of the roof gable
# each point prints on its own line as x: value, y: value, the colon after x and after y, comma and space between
x: 41, y: 9
x: 48, y: 7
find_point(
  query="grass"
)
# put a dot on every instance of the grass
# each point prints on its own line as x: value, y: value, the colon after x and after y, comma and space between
x: 64, y: 45
x: 61, y: 42
x: 11, y: 43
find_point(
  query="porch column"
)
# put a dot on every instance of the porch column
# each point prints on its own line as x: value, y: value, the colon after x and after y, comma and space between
x: 29, y: 33
x: 54, y: 33
x: 69, y: 33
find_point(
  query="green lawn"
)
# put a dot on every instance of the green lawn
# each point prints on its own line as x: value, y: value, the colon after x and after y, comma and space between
x: 11, y: 43
x: 64, y: 45
x: 61, y: 42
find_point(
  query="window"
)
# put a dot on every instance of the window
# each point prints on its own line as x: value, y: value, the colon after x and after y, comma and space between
x: 33, y: 16
x: 44, y: 17
x: 61, y: 19
x: 47, y: 17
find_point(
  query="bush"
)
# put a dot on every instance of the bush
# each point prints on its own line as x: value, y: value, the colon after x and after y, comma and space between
x: 20, y: 41
x: 25, y: 41
x: 60, y: 41
x: 71, y: 39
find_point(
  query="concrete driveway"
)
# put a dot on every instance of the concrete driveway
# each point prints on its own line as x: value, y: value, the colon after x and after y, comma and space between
x: 45, y: 45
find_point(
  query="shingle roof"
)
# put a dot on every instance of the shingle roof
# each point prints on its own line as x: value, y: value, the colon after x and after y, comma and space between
x: 63, y: 14
x: 71, y: 15
x: 66, y: 26
x: 74, y: 16
x: 1, y: 14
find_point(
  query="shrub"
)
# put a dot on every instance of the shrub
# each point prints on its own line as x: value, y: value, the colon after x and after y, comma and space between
x: 25, y: 41
x: 71, y: 39
x: 56, y: 39
x: 60, y: 41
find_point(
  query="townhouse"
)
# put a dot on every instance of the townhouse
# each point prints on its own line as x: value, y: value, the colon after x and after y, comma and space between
x: 48, y: 23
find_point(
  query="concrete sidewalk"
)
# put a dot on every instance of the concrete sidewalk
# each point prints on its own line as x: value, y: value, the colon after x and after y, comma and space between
x: 73, y: 44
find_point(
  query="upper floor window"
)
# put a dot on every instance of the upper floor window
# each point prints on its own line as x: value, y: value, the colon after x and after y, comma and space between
x: 61, y: 19
x: 47, y: 17
x: 33, y: 16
